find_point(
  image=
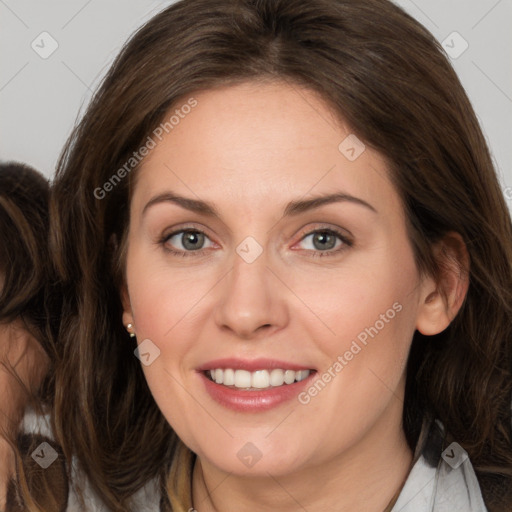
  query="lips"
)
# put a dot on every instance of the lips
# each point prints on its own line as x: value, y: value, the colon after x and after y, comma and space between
x: 252, y: 365
x: 253, y: 386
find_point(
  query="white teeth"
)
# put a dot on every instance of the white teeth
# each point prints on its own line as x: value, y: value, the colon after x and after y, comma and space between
x: 289, y: 376
x: 260, y: 379
x: 301, y: 375
x: 229, y: 377
x: 276, y: 377
x: 242, y: 379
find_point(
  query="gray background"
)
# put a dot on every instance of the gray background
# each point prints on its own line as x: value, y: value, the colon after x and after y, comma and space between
x: 40, y: 98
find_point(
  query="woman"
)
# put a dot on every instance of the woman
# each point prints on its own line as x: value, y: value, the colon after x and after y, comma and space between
x: 25, y: 348
x: 287, y: 269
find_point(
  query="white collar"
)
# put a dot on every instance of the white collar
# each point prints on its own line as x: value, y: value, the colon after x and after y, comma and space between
x: 441, y: 481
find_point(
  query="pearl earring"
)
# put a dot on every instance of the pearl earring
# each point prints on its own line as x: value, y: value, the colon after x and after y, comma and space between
x: 129, y: 327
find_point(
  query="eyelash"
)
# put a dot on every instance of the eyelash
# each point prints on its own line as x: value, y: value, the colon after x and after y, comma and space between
x: 315, y: 253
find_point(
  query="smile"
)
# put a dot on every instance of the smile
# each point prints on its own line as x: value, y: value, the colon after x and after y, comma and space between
x: 259, y: 379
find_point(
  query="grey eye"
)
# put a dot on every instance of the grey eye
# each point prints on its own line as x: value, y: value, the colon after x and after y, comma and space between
x: 189, y: 240
x: 322, y: 240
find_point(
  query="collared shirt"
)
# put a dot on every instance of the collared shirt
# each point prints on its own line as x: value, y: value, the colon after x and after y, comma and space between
x: 439, y: 480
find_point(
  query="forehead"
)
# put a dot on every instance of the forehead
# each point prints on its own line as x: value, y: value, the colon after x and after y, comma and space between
x: 260, y: 143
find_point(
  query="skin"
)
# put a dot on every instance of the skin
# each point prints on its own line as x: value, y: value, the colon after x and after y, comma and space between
x: 20, y: 351
x: 250, y: 149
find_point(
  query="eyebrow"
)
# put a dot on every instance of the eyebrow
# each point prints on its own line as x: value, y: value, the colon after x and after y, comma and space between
x: 293, y: 208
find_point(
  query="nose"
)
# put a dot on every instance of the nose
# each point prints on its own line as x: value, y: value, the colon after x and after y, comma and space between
x: 252, y: 300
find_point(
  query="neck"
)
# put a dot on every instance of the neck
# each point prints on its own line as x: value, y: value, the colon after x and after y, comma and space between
x: 369, y: 473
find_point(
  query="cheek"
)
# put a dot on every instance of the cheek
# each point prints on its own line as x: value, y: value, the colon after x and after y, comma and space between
x: 162, y: 301
x: 166, y: 305
x: 371, y: 299
x: 161, y: 296
x: 368, y: 317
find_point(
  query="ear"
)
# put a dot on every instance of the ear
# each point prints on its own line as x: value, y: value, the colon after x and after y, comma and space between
x: 127, y: 307
x: 118, y: 255
x: 442, y: 296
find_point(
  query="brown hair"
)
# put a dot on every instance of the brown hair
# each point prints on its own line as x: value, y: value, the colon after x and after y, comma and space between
x: 24, y: 261
x: 25, y: 296
x: 24, y: 256
x: 404, y: 100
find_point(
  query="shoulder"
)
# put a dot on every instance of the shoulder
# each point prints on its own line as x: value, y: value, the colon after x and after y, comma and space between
x: 55, y: 484
x: 441, y: 480
x: 44, y: 471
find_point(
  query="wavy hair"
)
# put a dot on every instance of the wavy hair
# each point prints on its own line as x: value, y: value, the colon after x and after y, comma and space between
x: 25, y: 297
x: 24, y: 257
x: 404, y: 100
x: 24, y: 261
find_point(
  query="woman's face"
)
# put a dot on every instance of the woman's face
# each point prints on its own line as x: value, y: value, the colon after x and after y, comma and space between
x: 270, y: 285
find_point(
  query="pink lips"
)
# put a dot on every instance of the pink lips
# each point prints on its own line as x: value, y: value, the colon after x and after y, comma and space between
x: 252, y: 401
x: 251, y: 365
